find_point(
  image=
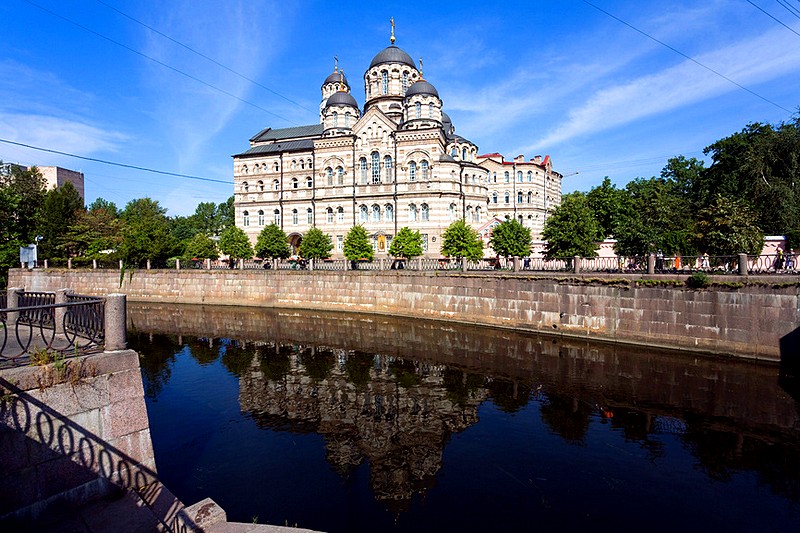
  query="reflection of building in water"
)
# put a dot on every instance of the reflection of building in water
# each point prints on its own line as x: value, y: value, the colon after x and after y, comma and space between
x: 396, y: 414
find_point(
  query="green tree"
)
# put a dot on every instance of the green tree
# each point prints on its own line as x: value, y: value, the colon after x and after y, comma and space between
x: 316, y: 245
x: 272, y: 243
x: 461, y: 240
x: 406, y: 244
x: 357, y: 245
x: 226, y: 214
x: 727, y: 227
x: 59, y: 211
x: 606, y: 202
x: 201, y: 246
x: 105, y: 205
x: 21, y: 194
x: 206, y: 218
x: 234, y: 243
x: 571, y: 229
x: 94, y: 231
x: 511, y: 239
x: 145, y: 233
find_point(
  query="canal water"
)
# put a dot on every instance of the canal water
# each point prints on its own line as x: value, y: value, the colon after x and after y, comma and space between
x: 349, y: 423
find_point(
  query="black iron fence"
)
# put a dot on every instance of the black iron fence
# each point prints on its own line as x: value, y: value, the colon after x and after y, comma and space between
x: 44, y: 322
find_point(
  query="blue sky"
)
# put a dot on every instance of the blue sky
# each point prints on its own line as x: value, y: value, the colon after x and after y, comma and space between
x: 538, y: 77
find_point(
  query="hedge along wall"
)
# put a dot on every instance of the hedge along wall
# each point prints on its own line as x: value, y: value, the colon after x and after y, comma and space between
x: 747, y: 322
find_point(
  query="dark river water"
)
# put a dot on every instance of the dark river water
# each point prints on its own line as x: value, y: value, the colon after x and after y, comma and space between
x: 348, y: 423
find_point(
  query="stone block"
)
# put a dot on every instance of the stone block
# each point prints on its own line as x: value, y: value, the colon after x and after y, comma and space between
x: 123, y: 418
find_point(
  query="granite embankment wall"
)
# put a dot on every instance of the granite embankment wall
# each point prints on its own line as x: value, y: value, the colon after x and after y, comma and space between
x: 75, y: 431
x: 748, y: 322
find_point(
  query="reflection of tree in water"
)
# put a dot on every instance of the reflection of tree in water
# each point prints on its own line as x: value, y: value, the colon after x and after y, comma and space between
x: 510, y: 396
x: 461, y: 386
x: 275, y: 364
x: 318, y: 363
x: 358, y: 366
x: 566, y: 416
x: 203, y: 350
x: 638, y: 426
x: 236, y: 356
x: 405, y: 373
x: 156, y: 357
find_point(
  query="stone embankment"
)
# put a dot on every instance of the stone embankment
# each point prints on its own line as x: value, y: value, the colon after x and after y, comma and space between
x: 746, y: 320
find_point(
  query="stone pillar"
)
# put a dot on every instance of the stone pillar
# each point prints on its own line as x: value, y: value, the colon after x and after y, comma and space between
x: 241, y: 264
x: 311, y: 264
x: 115, y: 323
x: 651, y: 263
x: 148, y: 264
x: 208, y: 263
x: 576, y: 264
x: 464, y: 264
x: 94, y: 264
x: 177, y: 264
x: 60, y: 312
x: 12, y: 301
x: 45, y: 263
x: 516, y: 264
x: 742, y: 264
x: 69, y: 263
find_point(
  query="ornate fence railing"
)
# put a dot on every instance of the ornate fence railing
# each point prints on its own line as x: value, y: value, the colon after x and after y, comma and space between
x: 652, y: 264
x: 34, y: 321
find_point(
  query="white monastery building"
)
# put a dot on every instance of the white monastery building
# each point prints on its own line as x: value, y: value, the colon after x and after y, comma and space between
x: 397, y: 163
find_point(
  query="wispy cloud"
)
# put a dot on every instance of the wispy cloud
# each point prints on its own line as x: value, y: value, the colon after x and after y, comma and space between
x: 749, y: 62
x: 59, y: 133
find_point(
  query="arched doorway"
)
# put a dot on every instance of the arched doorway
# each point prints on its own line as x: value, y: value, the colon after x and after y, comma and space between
x: 294, y: 241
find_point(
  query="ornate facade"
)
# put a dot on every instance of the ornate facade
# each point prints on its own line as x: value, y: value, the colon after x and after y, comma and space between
x: 398, y: 163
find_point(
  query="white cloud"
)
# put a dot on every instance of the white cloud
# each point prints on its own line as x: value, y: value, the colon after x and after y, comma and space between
x: 57, y: 133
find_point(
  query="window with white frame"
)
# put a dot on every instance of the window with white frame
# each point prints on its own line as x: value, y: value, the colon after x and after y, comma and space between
x: 363, y: 213
x: 276, y: 217
x: 329, y: 215
x: 405, y: 82
x: 464, y: 154
x: 507, y: 197
x: 245, y: 186
x: 424, y: 168
x: 340, y: 214
x: 363, y: 164
x: 494, y: 197
x: 309, y: 216
x: 507, y: 177
x: 519, y: 176
x: 276, y: 185
x: 387, y: 165
x: 260, y: 186
x: 329, y: 174
x: 347, y: 119
x: 418, y: 110
x: 478, y: 212
x: 425, y: 212
x: 430, y: 110
x: 530, y: 197
x: 530, y: 176
x: 339, y: 176
x: 452, y: 212
x: 424, y: 242
x: 412, y: 171
x: 339, y: 243
x: 412, y: 213
x: 309, y: 182
x: 376, y: 213
x: 260, y: 217
x: 389, y: 210
x: 294, y: 217
x: 295, y: 183
x: 384, y: 82
x: 245, y: 218
x: 519, y: 197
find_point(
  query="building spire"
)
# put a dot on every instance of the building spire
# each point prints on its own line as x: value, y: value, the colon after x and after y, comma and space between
x: 392, y: 39
x: 336, y: 63
x: 420, y: 68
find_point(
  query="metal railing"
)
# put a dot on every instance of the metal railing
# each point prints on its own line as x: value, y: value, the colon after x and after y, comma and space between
x: 33, y: 321
x: 756, y: 264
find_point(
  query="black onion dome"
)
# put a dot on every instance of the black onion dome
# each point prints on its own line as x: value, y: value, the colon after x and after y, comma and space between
x: 392, y: 54
x: 422, y: 87
x: 446, y: 119
x: 341, y: 98
x: 336, y: 77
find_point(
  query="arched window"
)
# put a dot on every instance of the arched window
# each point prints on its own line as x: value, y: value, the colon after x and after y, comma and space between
x: 275, y: 168
x: 302, y: 164
x: 384, y: 82
x: 276, y: 185
x: 309, y: 182
x: 405, y: 82
x: 260, y: 217
x: 430, y: 110
x: 245, y: 218
x: 412, y: 171
x: 309, y: 216
x: 507, y: 177
x: 387, y: 164
x: 329, y: 215
x: 244, y: 169
x: 339, y: 176
x: 245, y: 186
x: 477, y: 214
x: 260, y: 185
x: 494, y: 177
x: 335, y: 119
x: 425, y: 212
x: 412, y: 213
x: 473, y: 179
x: 294, y: 164
x: 376, y: 168
x: 530, y: 176
x: 309, y: 163
x: 452, y: 212
x: 454, y: 151
x: 530, y: 197
x: 464, y: 154
x: 519, y: 197
x: 295, y: 183
x: 494, y: 197
x: 347, y: 119
x: 340, y: 214
x: 256, y: 169
x: 389, y: 210
x: 519, y: 218
x: 329, y: 174
x: 469, y: 213
x: 276, y: 216
x: 424, y: 167
x: 294, y: 216
x: 376, y: 213
x: 507, y: 197
x: 363, y: 163
x: 363, y: 213
x: 418, y: 109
